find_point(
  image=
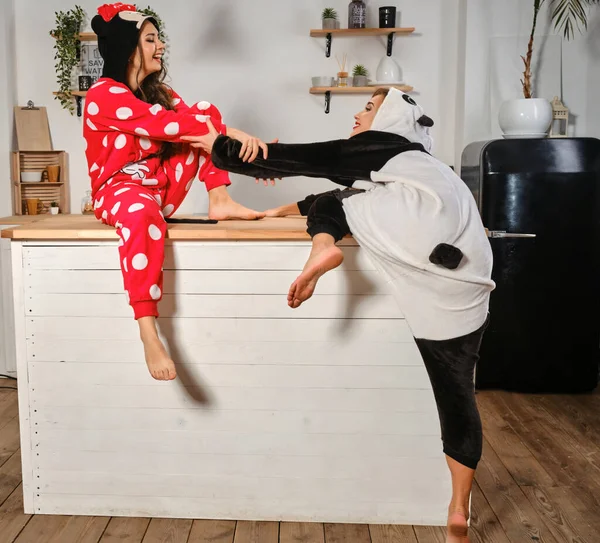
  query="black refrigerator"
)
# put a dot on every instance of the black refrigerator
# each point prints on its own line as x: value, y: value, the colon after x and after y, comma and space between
x: 540, y: 201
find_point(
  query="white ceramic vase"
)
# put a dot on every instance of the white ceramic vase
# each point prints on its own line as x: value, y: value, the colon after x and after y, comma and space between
x: 525, y: 118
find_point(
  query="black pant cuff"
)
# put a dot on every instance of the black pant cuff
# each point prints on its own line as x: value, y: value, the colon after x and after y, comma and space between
x: 330, y: 229
x: 468, y: 461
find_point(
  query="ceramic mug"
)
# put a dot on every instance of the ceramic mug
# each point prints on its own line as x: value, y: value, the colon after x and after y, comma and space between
x: 53, y: 172
x: 32, y: 205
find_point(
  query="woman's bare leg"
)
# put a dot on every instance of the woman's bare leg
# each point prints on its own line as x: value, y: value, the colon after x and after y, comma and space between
x: 458, y: 512
x: 222, y: 207
x: 159, y: 362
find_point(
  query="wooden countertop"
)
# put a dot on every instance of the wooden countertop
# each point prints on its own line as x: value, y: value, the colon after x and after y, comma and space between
x: 86, y: 227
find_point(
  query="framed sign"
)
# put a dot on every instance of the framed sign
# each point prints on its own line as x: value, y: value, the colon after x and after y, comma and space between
x: 91, y: 61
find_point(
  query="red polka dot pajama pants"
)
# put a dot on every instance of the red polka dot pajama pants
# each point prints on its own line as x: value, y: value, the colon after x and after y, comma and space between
x: 137, y: 209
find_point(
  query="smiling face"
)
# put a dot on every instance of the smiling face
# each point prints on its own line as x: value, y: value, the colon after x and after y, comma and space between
x: 364, y: 119
x: 147, y: 58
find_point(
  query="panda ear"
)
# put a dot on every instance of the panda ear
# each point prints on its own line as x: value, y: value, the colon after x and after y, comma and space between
x: 424, y: 120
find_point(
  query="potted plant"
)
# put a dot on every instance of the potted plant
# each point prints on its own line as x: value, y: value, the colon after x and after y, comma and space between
x: 529, y: 116
x: 68, y: 48
x: 54, y: 208
x: 329, y: 19
x: 360, y: 76
x: 67, y: 56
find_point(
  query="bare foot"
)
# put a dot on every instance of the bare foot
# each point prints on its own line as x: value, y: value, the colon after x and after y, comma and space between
x: 283, y: 211
x: 223, y: 208
x: 275, y: 212
x: 320, y: 261
x: 458, y: 528
x: 232, y: 211
x: 159, y: 363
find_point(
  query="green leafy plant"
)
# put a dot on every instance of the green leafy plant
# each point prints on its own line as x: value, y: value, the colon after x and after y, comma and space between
x: 53, y: 204
x: 329, y: 13
x: 566, y: 15
x: 67, y: 46
x: 359, y: 69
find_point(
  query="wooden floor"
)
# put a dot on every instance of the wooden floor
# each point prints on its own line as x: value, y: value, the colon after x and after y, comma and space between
x: 539, y: 480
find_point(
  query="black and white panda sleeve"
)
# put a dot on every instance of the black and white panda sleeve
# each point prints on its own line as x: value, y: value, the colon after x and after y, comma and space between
x: 341, y: 161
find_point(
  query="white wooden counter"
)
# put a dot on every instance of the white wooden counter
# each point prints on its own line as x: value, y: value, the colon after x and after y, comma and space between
x: 323, y: 413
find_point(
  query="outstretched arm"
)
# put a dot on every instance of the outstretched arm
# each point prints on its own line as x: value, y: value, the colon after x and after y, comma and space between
x: 341, y: 161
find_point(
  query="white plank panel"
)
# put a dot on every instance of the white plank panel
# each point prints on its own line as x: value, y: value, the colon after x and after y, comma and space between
x: 205, y: 330
x: 231, y: 465
x: 228, y: 306
x: 206, y: 422
x: 51, y: 439
x: 24, y: 388
x: 193, y: 256
x: 396, y: 488
x: 8, y: 357
x: 330, y: 353
x: 202, y: 282
x: 262, y: 376
x: 309, y: 400
x: 411, y: 512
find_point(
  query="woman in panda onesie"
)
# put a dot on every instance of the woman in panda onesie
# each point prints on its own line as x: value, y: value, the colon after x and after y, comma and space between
x: 420, y: 225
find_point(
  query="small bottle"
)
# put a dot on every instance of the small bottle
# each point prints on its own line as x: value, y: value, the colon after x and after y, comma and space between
x: 357, y: 14
x: 87, y: 205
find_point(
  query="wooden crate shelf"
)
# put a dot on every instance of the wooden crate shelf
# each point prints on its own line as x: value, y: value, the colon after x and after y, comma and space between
x: 46, y: 192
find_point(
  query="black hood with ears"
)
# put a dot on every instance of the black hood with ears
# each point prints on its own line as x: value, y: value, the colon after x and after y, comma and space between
x: 117, y: 40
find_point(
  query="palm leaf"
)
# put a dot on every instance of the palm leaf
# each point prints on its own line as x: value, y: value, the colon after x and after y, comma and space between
x: 571, y: 14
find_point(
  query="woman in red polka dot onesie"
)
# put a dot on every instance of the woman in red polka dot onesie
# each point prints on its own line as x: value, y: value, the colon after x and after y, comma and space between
x: 140, y: 166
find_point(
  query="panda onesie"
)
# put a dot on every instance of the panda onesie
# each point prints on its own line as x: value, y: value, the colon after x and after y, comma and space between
x: 420, y: 225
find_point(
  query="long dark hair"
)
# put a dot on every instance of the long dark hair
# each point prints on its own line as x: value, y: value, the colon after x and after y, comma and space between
x: 153, y: 90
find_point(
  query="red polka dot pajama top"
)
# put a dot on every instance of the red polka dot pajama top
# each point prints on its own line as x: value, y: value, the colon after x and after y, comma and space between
x: 133, y: 190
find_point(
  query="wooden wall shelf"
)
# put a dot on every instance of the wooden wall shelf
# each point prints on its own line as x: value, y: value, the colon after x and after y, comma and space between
x: 320, y: 33
x: 78, y: 93
x: 88, y: 36
x: 341, y: 32
x: 328, y: 91
x: 356, y: 90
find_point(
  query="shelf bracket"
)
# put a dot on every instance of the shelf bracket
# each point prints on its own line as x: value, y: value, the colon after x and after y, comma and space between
x: 78, y: 99
x: 390, y: 44
x: 327, y: 101
x: 328, y: 45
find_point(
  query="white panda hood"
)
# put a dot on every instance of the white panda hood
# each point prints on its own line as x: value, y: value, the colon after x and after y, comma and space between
x: 399, y: 114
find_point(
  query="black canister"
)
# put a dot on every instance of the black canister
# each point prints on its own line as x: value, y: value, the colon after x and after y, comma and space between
x: 85, y: 82
x: 387, y: 17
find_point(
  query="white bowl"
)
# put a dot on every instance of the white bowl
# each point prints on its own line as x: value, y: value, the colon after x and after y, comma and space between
x: 323, y: 81
x: 31, y: 177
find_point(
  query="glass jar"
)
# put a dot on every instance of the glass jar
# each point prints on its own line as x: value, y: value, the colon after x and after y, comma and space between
x: 357, y: 14
x: 87, y: 204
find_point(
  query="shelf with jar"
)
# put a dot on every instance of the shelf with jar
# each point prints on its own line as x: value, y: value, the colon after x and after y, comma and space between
x: 357, y: 25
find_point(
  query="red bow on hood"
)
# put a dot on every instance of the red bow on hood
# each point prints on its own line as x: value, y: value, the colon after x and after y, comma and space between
x: 108, y: 11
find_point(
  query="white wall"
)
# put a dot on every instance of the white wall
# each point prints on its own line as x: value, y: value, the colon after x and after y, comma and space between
x: 7, y: 101
x: 255, y: 60
x: 497, y: 34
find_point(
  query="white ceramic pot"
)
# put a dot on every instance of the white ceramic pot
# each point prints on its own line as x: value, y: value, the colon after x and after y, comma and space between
x: 525, y: 118
x: 54, y: 210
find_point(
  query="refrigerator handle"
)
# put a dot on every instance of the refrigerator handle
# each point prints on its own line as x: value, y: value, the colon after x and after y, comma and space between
x: 505, y: 234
